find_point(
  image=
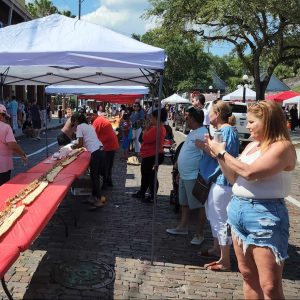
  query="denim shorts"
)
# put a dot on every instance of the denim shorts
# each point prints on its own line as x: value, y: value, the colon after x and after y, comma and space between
x: 260, y: 222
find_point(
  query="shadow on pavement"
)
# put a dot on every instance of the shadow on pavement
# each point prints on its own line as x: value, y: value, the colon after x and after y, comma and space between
x: 119, y: 235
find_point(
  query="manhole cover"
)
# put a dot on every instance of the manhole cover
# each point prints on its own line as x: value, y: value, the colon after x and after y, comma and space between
x: 83, y: 275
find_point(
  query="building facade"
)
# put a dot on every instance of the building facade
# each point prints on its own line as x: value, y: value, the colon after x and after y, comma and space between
x: 14, y: 12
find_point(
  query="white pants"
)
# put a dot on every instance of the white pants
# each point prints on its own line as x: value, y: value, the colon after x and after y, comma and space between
x: 215, y: 208
x: 136, y: 135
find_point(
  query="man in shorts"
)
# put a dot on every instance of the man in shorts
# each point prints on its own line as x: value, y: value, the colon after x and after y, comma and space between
x: 188, y: 166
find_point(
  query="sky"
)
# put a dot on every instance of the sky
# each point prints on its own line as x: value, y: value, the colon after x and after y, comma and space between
x: 123, y: 16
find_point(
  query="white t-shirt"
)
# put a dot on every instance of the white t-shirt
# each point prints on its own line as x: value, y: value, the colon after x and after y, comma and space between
x: 90, y: 139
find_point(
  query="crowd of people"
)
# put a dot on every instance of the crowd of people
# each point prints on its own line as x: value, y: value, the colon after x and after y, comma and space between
x: 245, y: 204
x: 26, y: 116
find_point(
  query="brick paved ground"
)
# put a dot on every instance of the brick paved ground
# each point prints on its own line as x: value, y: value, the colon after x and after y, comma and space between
x: 119, y: 234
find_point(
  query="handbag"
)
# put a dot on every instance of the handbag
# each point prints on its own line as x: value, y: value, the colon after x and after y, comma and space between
x: 201, y: 189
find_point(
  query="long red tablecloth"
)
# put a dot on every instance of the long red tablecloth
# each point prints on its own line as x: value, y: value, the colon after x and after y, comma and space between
x: 76, y: 168
x: 37, y: 214
x: 8, y: 255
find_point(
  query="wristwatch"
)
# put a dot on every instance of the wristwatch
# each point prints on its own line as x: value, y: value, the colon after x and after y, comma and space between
x: 221, y: 154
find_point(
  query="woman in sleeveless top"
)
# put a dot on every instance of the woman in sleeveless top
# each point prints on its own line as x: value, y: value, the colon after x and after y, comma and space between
x: 256, y: 213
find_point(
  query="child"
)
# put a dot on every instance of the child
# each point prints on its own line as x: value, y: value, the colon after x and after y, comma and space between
x: 125, y: 129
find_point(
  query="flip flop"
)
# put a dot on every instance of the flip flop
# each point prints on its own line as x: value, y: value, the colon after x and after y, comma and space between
x: 210, y: 264
x: 218, y: 268
x: 205, y: 253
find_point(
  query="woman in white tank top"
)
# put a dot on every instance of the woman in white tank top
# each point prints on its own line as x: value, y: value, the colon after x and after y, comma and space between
x: 256, y: 213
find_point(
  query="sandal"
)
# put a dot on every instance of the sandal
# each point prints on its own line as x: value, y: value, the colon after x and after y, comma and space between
x: 218, y: 268
x: 210, y: 264
x: 100, y: 203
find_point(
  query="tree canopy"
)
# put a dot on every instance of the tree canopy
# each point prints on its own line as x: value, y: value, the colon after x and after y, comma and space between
x: 187, y: 65
x: 264, y: 34
x: 42, y: 8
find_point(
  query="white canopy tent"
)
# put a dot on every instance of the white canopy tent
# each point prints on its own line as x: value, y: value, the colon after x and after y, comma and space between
x: 238, y: 94
x: 61, y: 50
x: 173, y: 99
x: 117, y: 94
x: 96, y: 90
x: 294, y: 100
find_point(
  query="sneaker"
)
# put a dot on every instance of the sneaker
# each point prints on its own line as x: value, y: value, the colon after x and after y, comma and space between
x: 197, y: 240
x: 177, y: 231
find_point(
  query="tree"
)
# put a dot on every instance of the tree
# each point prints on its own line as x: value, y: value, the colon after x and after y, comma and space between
x: 41, y: 8
x: 67, y: 13
x: 187, y: 64
x: 262, y: 32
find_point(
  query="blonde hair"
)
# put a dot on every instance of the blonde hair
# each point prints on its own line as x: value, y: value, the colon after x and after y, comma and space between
x: 274, y: 121
x: 225, y: 112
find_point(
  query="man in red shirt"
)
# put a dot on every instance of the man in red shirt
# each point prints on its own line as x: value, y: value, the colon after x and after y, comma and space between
x: 108, y: 138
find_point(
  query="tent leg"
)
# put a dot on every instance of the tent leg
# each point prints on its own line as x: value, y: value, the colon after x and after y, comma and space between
x: 46, y: 124
x: 9, y: 296
x: 156, y: 165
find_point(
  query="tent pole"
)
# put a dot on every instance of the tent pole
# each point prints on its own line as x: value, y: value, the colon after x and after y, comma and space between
x: 46, y: 123
x: 156, y: 164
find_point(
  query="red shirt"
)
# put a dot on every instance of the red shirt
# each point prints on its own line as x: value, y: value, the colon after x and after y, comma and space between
x: 106, y: 134
x: 149, y: 141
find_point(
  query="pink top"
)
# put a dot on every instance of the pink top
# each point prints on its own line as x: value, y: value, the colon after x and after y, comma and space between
x: 6, y: 136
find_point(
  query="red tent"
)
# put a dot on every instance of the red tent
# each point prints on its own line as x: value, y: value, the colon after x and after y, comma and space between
x: 282, y: 96
x: 121, y: 99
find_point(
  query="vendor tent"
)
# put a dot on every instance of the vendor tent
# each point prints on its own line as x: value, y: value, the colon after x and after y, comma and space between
x: 280, y: 97
x: 114, y: 94
x: 98, y: 90
x: 294, y: 100
x: 175, y: 98
x: 61, y: 50
x: 238, y: 95
x: 120, y: 99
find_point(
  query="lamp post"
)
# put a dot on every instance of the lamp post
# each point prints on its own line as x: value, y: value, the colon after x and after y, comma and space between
x: 245, y: 84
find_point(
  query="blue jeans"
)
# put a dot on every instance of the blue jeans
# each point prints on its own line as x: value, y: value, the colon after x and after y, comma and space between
x: 260, y: 222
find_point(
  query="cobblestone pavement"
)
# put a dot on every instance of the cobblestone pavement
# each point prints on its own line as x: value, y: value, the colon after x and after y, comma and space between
x: 119, y: 234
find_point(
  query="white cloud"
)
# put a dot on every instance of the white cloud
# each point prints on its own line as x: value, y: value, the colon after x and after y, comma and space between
x: 121, y: 16
x: 106, y: 17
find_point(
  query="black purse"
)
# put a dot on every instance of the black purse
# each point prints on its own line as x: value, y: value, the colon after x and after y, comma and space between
x: 201, y: 189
